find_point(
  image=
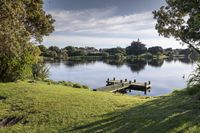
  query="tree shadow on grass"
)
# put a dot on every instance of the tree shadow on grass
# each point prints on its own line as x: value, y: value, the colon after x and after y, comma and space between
x: 175, y: 113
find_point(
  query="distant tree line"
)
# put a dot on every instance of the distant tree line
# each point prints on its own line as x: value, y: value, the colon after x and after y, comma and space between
x: 69, y: 51
x: 136, y: 49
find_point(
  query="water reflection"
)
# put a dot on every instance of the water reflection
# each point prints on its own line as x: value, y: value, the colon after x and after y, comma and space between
x: 165, y: 75
x: 185, y: 60
x: 156, y: 62
x: 78, y: 63
x: 170, y: 59
x: 137, y: 65
x: 117, y: 63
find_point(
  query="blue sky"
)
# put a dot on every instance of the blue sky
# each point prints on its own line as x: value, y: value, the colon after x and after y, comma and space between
x: 104, y: 23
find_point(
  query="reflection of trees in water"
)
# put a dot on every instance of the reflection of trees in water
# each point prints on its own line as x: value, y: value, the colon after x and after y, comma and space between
x: 117, y: 63
x: 137, y: 65
x: 53, y: 63
x: 185, y: 60
x: 169, y: 60
x: 156, y: 62
x: 79, y: 62
x: 188, y: 60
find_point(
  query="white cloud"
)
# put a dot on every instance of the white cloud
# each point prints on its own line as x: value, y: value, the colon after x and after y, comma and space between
x: 95, y: 20
x: 102, y: 28
x: 78, y: 20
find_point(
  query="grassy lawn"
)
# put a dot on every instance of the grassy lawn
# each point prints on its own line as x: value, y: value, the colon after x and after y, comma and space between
x: 39, y: 107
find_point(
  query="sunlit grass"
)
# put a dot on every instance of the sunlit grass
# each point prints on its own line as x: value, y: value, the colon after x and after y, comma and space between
x: 58, y: 108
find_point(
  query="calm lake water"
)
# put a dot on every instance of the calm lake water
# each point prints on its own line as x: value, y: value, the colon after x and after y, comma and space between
x: 165, y: 75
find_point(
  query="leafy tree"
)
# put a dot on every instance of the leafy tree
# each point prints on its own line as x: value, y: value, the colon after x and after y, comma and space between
x: 180, y: 19
x: 148, y: 56
x: 155, y: 50
x: 70, y: 50
x: 42, y: 48
x: 118, y: 56
x: 63, y: 54
x: 79, y: 52
x: 105, y: 55
x: 168, y: 52
x: 185, y: 52
x: 52, y: 54
x: 20, y: 21
x: 54, y: 48
x: 118, y: 50
x: 74, y: 51
x: 136, y: 48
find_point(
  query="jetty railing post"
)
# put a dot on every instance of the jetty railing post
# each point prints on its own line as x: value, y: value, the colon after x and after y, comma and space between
x: 130, y: 82
x: 134, y: 80
x: 114, y: 78
x: 145, y: 84
x: 145, y: 92
x: 149, y: 82
x: 121, y: 81
x: 126, y: 80
x: 108, y: 83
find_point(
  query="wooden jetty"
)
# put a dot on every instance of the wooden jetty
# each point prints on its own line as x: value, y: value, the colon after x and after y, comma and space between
x: 122, y: 86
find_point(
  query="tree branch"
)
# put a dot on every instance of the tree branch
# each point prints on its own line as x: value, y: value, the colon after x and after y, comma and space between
x: 192, y: 46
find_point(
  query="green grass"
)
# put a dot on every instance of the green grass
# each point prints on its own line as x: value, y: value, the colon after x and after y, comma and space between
x: 59, y: 108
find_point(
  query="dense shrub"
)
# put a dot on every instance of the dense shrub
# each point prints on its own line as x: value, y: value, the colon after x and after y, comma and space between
x: 85, y: 87
x: 77, y: 86
x: 68, y: 84
x: 40, y: 71
x: 105, y: 55
x: 193, y: 90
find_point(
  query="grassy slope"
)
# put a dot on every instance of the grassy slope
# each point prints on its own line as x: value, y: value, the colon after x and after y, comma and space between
x: 56, y: 108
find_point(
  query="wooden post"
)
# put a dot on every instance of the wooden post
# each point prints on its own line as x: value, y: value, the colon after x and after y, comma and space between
x: 145, y: 84
x: 121, y: 81
x: 108, y: 83
x: 126, y: 80
x: 145, y: 92
x: 114, y: 78
x: 130, y: 82
x: 149, y: 82
x: 134, y: 80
